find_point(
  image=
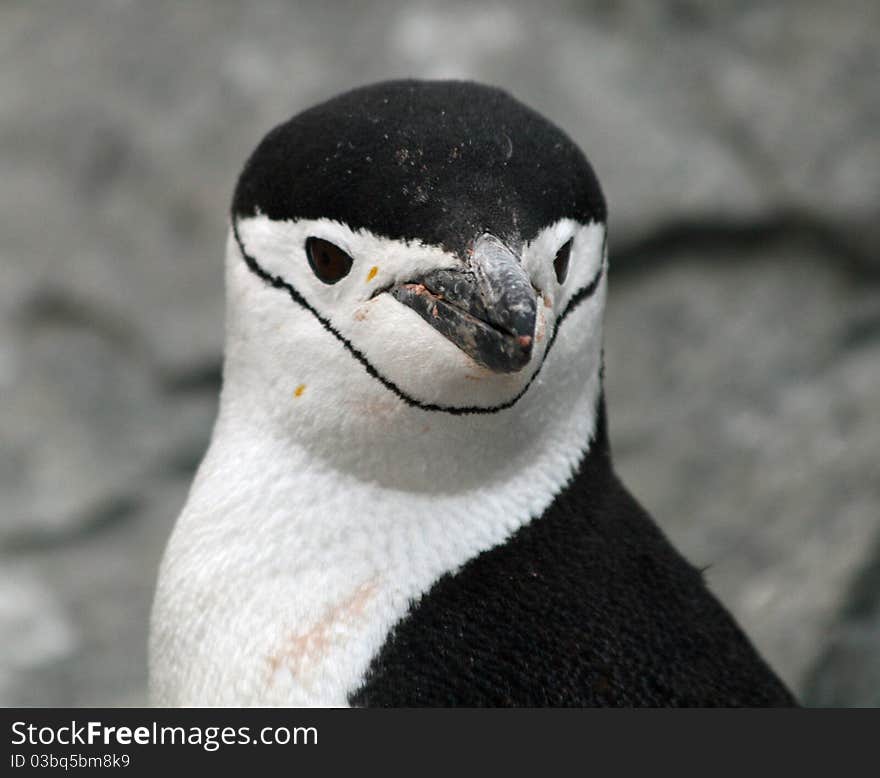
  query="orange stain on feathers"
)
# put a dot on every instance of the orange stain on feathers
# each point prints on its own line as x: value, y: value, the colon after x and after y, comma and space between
x: 298, y: 392
x: 303, y: 651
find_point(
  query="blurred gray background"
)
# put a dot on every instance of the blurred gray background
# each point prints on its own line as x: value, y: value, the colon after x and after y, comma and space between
x: 739, y: 149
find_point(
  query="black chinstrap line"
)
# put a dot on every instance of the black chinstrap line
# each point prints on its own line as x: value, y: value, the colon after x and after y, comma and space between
x: 279, y: 283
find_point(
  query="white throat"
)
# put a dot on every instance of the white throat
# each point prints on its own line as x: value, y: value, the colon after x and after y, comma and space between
x: 326, y: 504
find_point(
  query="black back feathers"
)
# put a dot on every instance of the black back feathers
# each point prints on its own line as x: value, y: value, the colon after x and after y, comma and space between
x: 438, y: 161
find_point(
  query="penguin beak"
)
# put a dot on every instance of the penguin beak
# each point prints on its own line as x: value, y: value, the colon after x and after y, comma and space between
x: 488, y: 308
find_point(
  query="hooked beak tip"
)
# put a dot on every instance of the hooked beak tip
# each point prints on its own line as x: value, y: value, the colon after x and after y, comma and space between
x: 488, y: 309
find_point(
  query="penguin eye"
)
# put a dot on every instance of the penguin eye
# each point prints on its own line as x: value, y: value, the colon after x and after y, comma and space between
x: 560, y: 263
x: 329, y: 262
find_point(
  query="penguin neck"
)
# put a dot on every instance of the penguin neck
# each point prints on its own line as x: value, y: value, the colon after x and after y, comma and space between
x: 295, y: 567
x: 356, y: 430
x: 418, y: 495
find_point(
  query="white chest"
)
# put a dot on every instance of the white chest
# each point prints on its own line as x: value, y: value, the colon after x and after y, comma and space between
x: 282, y: 594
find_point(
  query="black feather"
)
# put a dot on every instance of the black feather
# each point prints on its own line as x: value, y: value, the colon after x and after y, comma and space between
x: 589, y: 605
x: 437, y: 161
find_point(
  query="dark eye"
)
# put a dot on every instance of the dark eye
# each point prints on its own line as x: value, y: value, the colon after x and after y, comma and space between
x: 560, y: 264
x: 329, y: 262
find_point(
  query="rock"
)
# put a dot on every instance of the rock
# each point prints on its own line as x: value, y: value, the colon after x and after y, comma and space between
x: 90, y: 647
x: 739, y: 409
x: 847, y: 673
x: 86, y: 420
x: 39, y: 632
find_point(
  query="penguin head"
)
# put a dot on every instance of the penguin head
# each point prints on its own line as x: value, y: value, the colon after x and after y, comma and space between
x: 428, y: 238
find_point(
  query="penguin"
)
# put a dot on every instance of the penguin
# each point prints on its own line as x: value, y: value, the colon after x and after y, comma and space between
x: 409, y: 497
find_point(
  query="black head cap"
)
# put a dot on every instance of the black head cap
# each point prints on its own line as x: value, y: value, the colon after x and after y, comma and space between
x: 438, y: 161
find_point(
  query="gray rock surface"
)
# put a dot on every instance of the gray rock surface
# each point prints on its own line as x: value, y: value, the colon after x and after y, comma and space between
x: 741, y: 398
x: 738, y: 148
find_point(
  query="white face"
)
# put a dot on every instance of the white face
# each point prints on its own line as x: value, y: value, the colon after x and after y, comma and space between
x: 410, y: 360
x: 356, y: 377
